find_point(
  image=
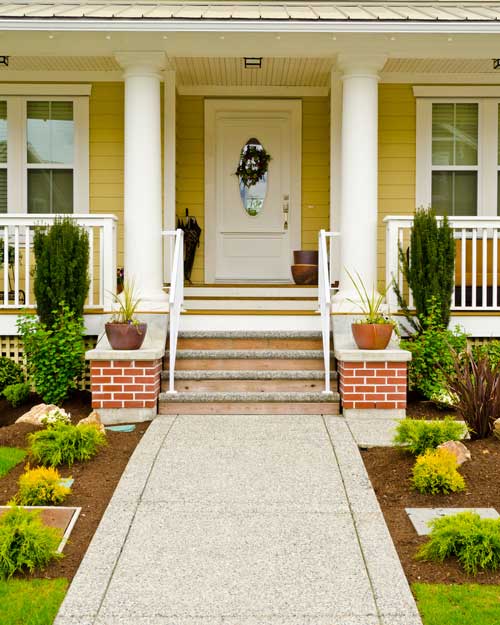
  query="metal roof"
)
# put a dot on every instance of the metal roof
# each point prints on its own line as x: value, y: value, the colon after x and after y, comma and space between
x: 371, y: 11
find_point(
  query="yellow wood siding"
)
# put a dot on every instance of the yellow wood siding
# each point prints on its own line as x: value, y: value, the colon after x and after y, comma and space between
x: 106, y: 112
x: 397, y: 159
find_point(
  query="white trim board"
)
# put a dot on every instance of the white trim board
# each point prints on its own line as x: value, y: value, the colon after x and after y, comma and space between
x: 45, y: 89
x: 456, y: 91
x: 266, y: 91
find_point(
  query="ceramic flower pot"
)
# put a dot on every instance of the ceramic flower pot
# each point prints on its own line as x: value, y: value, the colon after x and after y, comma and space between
x: 372, y: 335
x: 305, y: 257
x: 305, y: 274
x: 126, y: 335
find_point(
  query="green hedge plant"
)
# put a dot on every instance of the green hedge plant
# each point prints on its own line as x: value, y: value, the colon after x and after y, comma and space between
x: 10, y: 373
x: 54, y: 354
x: 436, y: 472
x: 418, y: 436
x: 17, y: 394
x: 63, y: 443
x: 26, y: 544
x: 61, y: 269
x: 474, y: 541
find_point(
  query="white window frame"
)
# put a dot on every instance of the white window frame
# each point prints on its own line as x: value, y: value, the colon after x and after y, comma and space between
x: 487, y: 154
x: 17, y: 97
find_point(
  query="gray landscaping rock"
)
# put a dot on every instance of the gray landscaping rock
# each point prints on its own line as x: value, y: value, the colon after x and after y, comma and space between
x: 36, y: 414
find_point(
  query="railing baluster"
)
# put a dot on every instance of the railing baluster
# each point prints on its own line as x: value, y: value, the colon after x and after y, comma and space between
x: 27, y: 266
x: 474, y: 266
x: 6, y: 266
x: 463, y: 257
x: 16, y: 266
x: 101, y: 268
x: 494, y: 267
x: 484, y: 289
x: 90, y: 233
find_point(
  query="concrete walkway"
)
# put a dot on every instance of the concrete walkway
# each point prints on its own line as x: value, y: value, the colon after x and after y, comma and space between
x: 242, y: 520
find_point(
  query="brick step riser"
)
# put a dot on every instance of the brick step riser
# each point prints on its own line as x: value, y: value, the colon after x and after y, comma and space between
x: 249, y: 343
x: 172, y: 407
x: 248, y: 385
x: 245, y: 364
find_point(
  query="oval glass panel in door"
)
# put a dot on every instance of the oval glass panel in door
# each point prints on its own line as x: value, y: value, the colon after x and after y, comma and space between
x: 254, y: 195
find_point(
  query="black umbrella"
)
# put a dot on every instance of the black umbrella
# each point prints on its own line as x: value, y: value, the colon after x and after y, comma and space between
x: 192, y: 232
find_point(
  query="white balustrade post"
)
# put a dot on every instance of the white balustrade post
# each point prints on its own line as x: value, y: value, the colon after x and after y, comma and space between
x: 358, y: 203
x: 143, y: 184
x: 108, y: 261
x: 169, y: 176
x: 391, y: 262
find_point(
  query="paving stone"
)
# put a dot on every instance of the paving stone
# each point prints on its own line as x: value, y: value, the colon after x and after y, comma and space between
x: 420, y: 517
x: 373, y: 432
x: 213, y: 565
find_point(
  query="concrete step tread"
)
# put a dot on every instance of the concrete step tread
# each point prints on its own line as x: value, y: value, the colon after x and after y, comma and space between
x: 275, y: 396
x: 250, y: 334
x: 250, y: 354
x: 221, y: 374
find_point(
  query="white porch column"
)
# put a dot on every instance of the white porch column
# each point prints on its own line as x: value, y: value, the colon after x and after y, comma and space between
x: 169, y: 167
x: 359, y: 155
x: 143, y: 183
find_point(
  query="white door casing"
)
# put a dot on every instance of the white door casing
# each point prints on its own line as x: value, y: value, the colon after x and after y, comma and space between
x: 240, y: 247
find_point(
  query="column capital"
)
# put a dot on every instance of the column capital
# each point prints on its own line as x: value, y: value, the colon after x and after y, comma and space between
x: 142, y: 62
x: 360, y: 64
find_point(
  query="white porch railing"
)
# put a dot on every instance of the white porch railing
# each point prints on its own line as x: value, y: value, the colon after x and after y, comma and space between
x: 325, y: 249
x: 477, y: 262
x: 175, y: 298
x: 17, y: 258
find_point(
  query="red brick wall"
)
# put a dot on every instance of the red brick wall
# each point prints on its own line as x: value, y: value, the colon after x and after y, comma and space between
x: 125, y: 383
x: 380, y: 385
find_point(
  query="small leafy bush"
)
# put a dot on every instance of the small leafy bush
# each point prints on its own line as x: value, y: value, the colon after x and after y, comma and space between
x: 474, y: 541
x: 25, y: 543
x: 420, y: 436
x: 490, y: 349
x: 41, y: 487
x: 476, y: 386
x: 61, y: 269
x: 56, y: 415
x: 54, y: 355
x: 9, y: 458
x: 432, y: 356
x: 10, y: 373
x: 17, y: 394
x: 436, y: 472
x: 64, y: 443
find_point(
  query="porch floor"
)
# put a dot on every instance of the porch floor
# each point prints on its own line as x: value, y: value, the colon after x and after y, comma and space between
x: 238, y: 520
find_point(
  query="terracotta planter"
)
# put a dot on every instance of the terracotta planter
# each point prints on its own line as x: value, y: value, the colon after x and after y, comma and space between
x: 305, y: 274
x: 372, y: 335
x: 305, y: 257
x: 126, y: 335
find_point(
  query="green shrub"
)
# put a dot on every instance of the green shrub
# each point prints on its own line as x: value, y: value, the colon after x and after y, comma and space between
x: 436, y: 472
x: 476, y: 385
x: 420, y: 436
x: 41, y: 487
x: 475, y: 542
x: 10, y: 373
x: 17, y: 394
x: 54, y: 355
x: 61, y: 269
x: 9, y: 458
x: 25, y: 543
x: 490, y: 349
x: 428, y: 269
x: 432, y: 356
x: 63, y: 443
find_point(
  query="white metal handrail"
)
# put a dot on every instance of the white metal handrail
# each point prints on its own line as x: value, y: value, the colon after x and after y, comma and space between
x: 477, y: 261
x: 325, y: 248
x: 175, y: 299
x: 16, y: 245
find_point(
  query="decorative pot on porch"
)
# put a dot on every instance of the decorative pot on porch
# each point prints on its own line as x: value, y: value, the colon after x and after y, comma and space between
x: 305, y: 267
x: 124, y: 331
x: 375, y: 330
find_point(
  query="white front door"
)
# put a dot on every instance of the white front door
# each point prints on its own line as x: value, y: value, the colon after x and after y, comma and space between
x: 252, y: 241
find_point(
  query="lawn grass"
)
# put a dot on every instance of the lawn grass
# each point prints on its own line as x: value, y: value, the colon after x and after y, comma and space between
x: 9, y: 457
x: 458, y: 604
x: 31, y: 601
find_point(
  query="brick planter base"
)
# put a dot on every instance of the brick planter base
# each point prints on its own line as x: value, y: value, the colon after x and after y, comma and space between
x: 125, y: 384
x: 373, y: 385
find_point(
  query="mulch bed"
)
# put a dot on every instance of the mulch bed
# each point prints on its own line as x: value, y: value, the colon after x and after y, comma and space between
x: 95, y: 480
x: 390, y: 470
x: 419, y: 408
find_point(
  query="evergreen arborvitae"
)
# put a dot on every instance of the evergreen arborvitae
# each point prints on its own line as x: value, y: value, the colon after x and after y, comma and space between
x: 429, y: 267
x: 61, y: 268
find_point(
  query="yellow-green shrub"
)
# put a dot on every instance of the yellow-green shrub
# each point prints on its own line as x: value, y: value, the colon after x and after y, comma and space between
x: 40, y: 487
x: 436, y: 472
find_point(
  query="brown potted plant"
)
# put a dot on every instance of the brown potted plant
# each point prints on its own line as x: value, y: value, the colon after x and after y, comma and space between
x: 124, y: 331
x: 374, y: 331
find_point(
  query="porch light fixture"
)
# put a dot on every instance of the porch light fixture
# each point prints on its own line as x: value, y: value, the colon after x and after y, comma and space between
x: 496, y: 63
x: 4, y: 60
x: 253, y: 62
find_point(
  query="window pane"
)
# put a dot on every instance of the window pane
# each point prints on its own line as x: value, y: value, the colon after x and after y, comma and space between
x: 3, y: 190
x: 454, y: 133
x: 50, y: 191
x: 3, y: 131
x: 50, y: 129
x: 454, y: 192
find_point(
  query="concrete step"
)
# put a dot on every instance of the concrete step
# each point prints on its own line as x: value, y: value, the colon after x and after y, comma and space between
x: 256, y: 304
x: 248, y: 343
x: 267, y: 360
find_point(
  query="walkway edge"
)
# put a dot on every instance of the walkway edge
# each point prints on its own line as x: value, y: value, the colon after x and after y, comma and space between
x: 392, y: 592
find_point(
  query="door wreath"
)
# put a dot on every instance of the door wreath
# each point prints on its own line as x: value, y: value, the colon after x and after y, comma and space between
x: 254, y: 163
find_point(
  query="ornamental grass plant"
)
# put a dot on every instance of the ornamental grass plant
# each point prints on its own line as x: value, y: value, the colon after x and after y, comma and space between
x: 418, y: 436
x: 40, y: 487
x: 63, y: 443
